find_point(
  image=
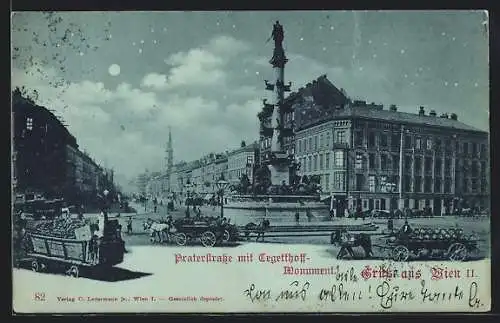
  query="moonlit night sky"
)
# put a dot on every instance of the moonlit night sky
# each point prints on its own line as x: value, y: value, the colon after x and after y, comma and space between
x: 118, y: 80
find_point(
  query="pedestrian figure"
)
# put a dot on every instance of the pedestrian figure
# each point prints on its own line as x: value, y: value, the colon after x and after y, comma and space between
x: 390, y: 223
x: 94, y: 249
x: 297, y: 217
x: 129, y: 225
x: 357, y: 213
x: 261, y: 229
x: 309, y: 215
x: 155, y: 204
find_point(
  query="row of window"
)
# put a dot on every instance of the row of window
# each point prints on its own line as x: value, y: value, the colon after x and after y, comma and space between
x: 419, y: 143
x: 266, y: 143
x: 321, y: 141
x: 338, y: 183
x: 418, y: 163
x: 310, y: 163
x: 237, y: 163
x: 421, y: 184
x: 383, y: 142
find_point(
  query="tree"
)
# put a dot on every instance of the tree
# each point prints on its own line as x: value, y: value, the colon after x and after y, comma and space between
x: 314, y: 185
x: 244, y: 183
x: 243, y: 144
x: 315, y: 179
x: 262, y: 180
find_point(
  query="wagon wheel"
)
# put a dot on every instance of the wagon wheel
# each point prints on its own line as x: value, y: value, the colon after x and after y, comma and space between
x: 208, y: 239
x: 457, y: 252
x: 73, y: 271
x: 181, y: 239
x: 35, y: 266
x: 226, y: 236
x: 400, y: 253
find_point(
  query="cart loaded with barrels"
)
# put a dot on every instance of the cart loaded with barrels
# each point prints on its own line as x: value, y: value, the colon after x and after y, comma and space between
x: 73, y: 245
x: 448, y: 243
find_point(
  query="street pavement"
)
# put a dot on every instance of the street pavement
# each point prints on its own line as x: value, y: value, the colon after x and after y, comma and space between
x: 478, y: 225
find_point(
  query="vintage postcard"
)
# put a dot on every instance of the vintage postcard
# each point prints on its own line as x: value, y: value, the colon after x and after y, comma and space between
x: 316, y: 161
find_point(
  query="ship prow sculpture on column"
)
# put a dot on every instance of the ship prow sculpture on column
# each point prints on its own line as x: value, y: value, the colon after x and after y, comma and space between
x: 277, y: 160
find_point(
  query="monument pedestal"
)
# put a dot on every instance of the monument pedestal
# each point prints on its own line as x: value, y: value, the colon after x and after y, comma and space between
x: 279, y: 173
x: 279, y: 168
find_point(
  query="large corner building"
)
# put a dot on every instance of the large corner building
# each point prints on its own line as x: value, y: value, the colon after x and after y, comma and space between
x: 377, y: 157
x: 381, y: 158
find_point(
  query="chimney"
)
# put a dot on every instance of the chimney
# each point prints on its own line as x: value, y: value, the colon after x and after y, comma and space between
x: 454, y: 116
x: 432, y: 113
x: 393, y: 107
x: 421, y: 112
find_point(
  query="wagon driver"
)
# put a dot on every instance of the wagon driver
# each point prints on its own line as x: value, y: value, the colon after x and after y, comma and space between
x: 406, y: 230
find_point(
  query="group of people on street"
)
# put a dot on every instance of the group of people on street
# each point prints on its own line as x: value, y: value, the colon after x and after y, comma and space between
x: 309, y: 216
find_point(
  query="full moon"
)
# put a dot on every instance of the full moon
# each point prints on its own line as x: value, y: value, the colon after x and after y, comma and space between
x: 114, y: 69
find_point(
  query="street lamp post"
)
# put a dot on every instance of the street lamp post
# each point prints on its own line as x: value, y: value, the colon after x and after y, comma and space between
x: 221, y: 185
x: 105, y: 205
x: 188, y: 187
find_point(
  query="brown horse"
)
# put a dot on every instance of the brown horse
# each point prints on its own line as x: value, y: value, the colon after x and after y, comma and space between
x: 260, y: 229
x: 347, y: 241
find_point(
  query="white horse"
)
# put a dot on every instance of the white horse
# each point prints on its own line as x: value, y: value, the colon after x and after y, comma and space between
x: 159, y: 231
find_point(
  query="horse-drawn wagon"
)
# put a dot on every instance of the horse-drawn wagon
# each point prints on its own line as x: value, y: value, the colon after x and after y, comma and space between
x: 73, y: 246
x: 208, y: 231
x: 452, y: 244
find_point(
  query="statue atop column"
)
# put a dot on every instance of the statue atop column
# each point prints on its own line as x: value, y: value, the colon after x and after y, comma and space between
x: 279, y: 59
x: 278, y: 34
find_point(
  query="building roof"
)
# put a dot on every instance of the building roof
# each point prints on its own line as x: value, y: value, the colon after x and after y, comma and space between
x: 250, y: 148
x: 19, y: 101
x: 329, y: 103
x: 322, y: 91
x: 377, y: 113
x: 410, y: 118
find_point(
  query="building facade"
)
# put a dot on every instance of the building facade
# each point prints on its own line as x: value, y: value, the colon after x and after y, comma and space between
x: 241, y: 162
x: 221, y: 168
x: 203, y: 174
x: 46, y: 157
x: 380, y: 158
